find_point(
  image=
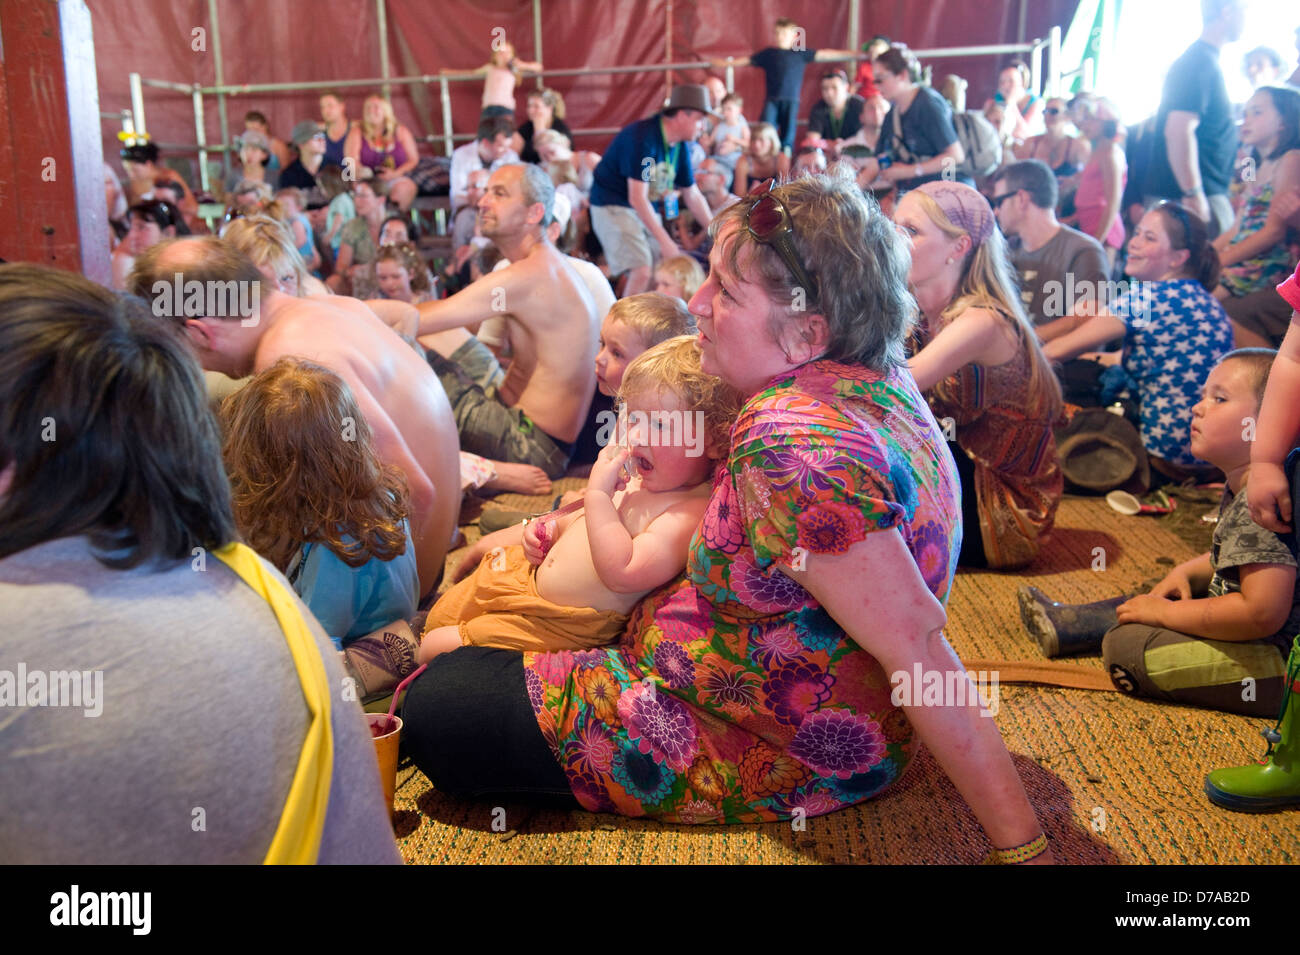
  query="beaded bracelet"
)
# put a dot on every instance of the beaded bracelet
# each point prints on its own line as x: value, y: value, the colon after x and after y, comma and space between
x: 1018, y: 855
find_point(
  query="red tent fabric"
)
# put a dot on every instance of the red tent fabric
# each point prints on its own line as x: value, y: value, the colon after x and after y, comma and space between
x: 297, y: 40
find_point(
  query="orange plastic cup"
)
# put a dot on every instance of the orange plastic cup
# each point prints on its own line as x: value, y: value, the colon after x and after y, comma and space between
x: 386, y: 731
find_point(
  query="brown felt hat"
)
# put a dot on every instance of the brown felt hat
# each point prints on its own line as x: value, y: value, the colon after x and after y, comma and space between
x: 688, y: 96
x: 1101, y: 451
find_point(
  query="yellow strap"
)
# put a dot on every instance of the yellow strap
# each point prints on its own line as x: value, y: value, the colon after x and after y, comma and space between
x: 298, y: 836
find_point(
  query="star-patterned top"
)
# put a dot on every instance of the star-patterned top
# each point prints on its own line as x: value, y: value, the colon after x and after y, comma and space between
x: 1176, y: 332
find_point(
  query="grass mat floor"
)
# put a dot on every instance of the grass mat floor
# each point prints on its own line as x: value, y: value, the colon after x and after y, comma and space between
x: 1113, y: 779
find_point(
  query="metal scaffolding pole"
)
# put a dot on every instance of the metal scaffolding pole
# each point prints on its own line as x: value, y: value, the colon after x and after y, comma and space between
x: 201, y: 135
x: 137, y: 103
x: 1054, y: 61
x: 381, y: 12
x: 445, y: 94
x: 448, y: 137
x: 537, y: 39
x: 215, y: 26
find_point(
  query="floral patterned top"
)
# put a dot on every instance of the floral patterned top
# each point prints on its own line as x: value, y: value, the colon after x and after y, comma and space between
x: 734, y: 697
x: 1272, y: 265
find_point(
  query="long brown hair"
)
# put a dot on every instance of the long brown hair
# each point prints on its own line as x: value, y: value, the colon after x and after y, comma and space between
x: 303, y: 468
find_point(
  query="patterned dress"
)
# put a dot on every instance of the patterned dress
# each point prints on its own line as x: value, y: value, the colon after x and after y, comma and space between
x: 734, y: 697
x: 1006, y: 430
x: 1269, y: 267
x: 1176, y: 332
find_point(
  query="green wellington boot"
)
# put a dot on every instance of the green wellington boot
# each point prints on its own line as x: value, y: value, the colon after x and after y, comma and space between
x: 1065, y: 629
x: 1273, y: 782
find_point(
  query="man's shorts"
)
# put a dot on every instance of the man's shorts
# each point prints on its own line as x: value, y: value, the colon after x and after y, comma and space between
x: 627, y: 242
x: 493, y: 430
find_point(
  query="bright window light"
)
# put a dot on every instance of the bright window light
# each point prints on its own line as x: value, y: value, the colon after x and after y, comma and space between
x: 1154, y: 33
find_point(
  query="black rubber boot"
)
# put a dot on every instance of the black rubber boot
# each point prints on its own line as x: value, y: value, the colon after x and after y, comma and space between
x: 1066, y: 629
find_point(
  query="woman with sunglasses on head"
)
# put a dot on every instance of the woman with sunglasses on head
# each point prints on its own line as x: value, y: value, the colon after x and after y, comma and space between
x: 1174, y: 331
x: 983, y: 371
x: 757, y: 687
x: 1064, y: 153
x: 1100, y: 194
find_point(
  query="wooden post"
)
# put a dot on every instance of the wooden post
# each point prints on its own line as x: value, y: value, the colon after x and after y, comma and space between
x: 52, y: 208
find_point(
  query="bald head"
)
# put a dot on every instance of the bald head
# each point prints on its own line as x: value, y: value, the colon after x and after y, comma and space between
x: 204, y: 259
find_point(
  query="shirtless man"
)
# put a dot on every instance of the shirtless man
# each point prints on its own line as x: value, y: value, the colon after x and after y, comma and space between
x: 552, y: 326
x: 403, y: 403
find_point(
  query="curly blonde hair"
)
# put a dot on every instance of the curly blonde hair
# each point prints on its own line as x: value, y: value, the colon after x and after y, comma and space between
x: 551, y: 98
x: 674, y: 365
x: 408, y: 257
x: 303, y: 468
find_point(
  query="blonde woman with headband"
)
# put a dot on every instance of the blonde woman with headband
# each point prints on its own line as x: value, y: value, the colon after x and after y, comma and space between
x: 980, y: 366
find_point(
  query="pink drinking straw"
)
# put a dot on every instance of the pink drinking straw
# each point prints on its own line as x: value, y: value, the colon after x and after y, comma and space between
x: 392, y: 707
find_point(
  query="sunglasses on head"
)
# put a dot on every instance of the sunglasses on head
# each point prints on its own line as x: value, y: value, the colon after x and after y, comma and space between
x: 1178, y: 212
x: 769, y: 222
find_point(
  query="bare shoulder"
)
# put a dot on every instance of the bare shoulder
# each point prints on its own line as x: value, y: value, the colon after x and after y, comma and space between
x: 1288, y: 167
x: 686, y: 504
x: 978, y: 319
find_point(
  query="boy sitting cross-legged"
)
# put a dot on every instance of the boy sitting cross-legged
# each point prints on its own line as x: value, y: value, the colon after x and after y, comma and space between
x: 1216, y: 631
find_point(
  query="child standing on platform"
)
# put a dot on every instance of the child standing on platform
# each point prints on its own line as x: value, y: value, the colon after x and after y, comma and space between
x: 783, y: 67
x: 500, y: 74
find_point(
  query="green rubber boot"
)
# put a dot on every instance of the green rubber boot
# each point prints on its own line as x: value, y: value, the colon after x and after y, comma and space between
x: 1273, y: 782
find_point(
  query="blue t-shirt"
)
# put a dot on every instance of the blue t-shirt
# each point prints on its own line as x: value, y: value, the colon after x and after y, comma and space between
x: 783, y: 70
x: 1176, y: 332
x: 351, y: 602
x: 639, y: 152
x: 924, y: 130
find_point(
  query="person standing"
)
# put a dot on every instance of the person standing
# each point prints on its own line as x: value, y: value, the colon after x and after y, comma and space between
x: 643, y: 168
x: 783, y: 67
x: 1195, y: 140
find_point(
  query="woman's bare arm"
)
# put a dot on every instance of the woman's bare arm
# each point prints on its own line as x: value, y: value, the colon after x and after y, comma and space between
x: 901, y: 625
